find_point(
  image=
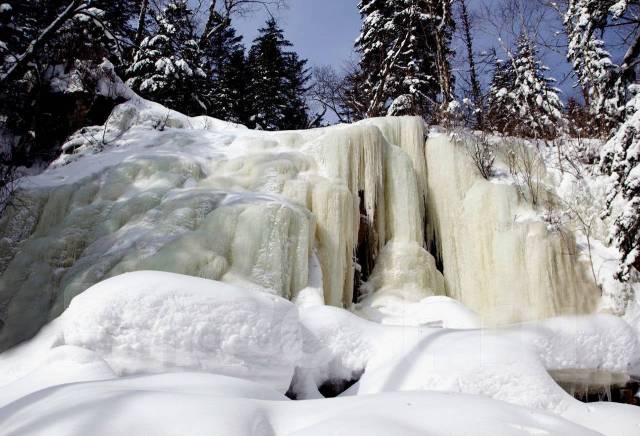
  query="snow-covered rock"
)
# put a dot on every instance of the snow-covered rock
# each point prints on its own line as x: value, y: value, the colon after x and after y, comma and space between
x: 152, y: 322
x: 155, y: 322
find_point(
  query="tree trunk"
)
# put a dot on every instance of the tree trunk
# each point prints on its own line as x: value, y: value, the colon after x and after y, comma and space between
x: 442, y: 9
x: 211, y: 23
x: 476, y: 91
x: 144, y: 5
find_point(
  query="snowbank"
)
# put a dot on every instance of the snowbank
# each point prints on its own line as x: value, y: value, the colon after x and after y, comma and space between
x: 152, y: 322
x: 205, y: 405
x: 155, y: 322
x: 507, y: 364
x: 76, y: 370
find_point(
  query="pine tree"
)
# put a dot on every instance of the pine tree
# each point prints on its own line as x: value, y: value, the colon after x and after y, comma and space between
x: 232, y: 90
x: 373, y: 44
x: 166, y: 68
x: 526, y: 102
x: 500, y: 104
x: 403, y: 44
x: 278, y: 82
x: 603, y: 87
x: 477, y: 99
x: 49, y: 63
x: 621, y: 159
x: 223, y: 54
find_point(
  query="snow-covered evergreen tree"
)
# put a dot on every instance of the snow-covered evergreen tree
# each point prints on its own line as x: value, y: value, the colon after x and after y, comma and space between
x: 523, y: 99
x: 604, y: 88
x: 278, y: 82
x: 399, y: 45
x: 621, y: 160
x: 49, y: 57
x: 166, y: 68
x: 500, y: 104
x: 376, y: 37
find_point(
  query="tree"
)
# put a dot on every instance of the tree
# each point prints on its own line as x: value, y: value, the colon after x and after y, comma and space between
x: 221, y: 11
x: 443, y: 26
x: 621, y: 160
x: 404, y: 48
x: 373, y: 44
x: 523, y: 100
x: 166, y: 67
x: 278, y: 82
x: 476, y: 91
x: 500, y: 104
x: 51, y: 52
x: 603, y: 82
x: 223, y: 54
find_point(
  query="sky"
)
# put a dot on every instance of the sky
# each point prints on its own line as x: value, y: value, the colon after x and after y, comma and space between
x: 322, y: 31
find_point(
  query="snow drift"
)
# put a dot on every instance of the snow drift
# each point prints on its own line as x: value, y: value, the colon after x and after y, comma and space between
x: 78, y: 370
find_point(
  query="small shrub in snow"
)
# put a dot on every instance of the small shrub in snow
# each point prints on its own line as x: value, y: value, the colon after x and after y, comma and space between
x: 526, y: 167
x: 482, y: 152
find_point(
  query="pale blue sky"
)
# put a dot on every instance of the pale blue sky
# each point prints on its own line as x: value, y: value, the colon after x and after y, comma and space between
x: 323, y: 31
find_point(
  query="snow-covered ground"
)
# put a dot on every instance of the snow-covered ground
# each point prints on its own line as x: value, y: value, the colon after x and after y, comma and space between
x: 242, y: 248
x: 121, y: 360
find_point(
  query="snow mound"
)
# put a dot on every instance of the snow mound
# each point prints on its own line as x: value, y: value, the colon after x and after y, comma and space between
x: 596, y: 342
x: 438, y: 311
x: 61, y: 365
x: 202, y: 405
x: 152, y: 322
x: 509, y: 364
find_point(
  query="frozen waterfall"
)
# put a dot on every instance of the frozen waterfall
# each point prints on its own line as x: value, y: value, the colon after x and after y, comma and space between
x: 155, y: 190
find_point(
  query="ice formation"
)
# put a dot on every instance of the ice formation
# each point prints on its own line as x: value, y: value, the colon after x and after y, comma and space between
x: 497, y: 260
x: 156, y: 190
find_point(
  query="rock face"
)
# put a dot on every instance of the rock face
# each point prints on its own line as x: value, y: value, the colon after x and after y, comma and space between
x: 200, y: 197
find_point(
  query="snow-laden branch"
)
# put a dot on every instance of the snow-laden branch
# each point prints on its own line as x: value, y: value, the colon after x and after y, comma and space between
x: 74, y: 8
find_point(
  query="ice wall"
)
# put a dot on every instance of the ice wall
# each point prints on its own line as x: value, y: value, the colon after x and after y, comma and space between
x: 499, y: 258
x: 156, y: 190
x: 204, y: 198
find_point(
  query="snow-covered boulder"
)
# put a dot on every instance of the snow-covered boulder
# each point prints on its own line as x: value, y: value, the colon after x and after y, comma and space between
x: 152, y: 322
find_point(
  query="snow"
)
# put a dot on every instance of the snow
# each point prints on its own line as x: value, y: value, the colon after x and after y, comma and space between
x: 165, y: 405
x: 154, y: 322
x: 183, y: 337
